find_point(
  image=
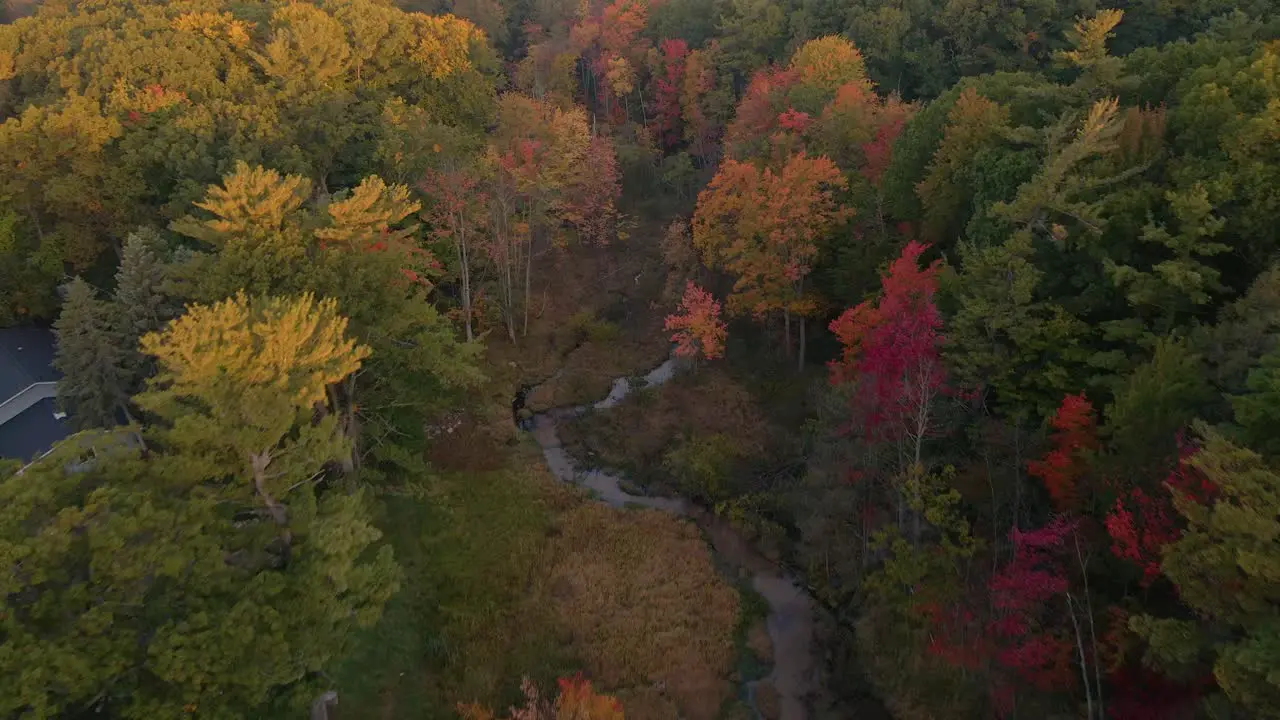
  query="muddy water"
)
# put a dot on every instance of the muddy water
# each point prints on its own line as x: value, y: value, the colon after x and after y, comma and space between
x: 790, y: 621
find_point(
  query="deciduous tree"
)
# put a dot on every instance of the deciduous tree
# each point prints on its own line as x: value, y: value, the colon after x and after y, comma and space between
x: 533, y: 159
x: 458, y: 213
x: 698, y: 329
x: 765, y: 228
x: 590, y: 202
x: 669, y: 77
x: 1063, y: 468
x: 891, y: 349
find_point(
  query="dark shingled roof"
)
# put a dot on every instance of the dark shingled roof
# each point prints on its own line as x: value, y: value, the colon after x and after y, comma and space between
x: 33, y: 432
x: 26, y: 357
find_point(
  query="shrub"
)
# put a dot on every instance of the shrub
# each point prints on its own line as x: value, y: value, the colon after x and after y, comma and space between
x: 702, y: 465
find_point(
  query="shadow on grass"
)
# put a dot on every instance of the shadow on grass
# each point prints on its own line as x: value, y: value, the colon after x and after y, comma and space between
x: 471, y: 618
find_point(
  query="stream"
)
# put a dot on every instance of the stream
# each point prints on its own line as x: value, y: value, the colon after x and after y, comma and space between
x: 791, y: 611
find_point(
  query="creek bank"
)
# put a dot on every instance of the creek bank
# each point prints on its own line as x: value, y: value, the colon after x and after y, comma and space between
x: 790, y: 623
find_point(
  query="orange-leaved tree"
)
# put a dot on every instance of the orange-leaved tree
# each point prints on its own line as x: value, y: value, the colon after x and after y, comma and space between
x: 764, y: 227
x: 697, y: 325
x: 590, y: 203
x: 534, y: 158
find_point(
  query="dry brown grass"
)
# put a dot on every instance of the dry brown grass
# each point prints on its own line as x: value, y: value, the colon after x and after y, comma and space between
x: 647, y: 703
x: 645, y: 607
x: 767, y: 701
x: 589, y: 371
x: 636, y: 434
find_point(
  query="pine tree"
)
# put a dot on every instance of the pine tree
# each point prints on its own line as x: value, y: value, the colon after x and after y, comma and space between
x: 140, y: 304
x: 1090, y: 36
x: 93, y: 357
x: 1226, y: 566
x: 212, y: 573
x: 1257, y: 412
x: 1157, y: 400
x: 1013, y: 349
x: 239, y: 384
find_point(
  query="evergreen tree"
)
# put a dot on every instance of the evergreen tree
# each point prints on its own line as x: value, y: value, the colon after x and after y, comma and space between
x: 1227, y: 570
x: 140, y: 303
x: 239, y: 386
x: 1257, y: 412
x: 93, y: 358
x: 212, y: 574
x: 1159, y: 399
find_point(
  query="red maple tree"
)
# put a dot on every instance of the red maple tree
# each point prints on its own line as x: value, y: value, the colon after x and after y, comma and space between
x: 757, y: 117
x: 579, y: 701
x: 879, y: 151
x: 1031, y: 645
x: 891, y: 347
x: 1141, y: 524
x: 1024, y: 642
x: 1063, y: 467
x: 667, y: 85
x: 794, y: 121
x: 697, y: 325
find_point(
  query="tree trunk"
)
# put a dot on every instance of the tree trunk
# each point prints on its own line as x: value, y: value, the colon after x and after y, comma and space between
x: 800, y: 323
x: 1093, y: 635
x: 917, y: 512
x: 901, y: 506
x: 279, y: 513
x: 800, y: 365
x: 1084, y: 668
x: 786, y: 331
x: 507, y: 280
x: 342, y: 402
x: 528, y: 280
x: 464, y: 268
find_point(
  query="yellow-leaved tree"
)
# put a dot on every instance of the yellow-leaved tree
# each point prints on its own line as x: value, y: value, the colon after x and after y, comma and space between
x: 219, y: 568
x: 242, y: 386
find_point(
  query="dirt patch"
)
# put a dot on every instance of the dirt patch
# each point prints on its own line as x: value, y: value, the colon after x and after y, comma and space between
x: 585, y: 294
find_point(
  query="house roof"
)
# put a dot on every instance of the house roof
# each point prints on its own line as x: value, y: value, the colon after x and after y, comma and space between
x: 33, y: 432
x: 26, y: 357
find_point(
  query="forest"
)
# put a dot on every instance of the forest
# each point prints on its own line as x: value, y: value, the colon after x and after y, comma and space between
x: 658, y: 359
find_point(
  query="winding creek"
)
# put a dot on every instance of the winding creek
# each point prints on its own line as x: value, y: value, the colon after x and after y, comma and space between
x: 791, y: 611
